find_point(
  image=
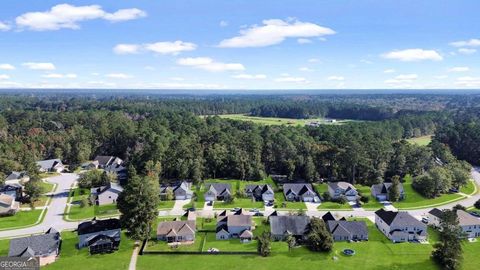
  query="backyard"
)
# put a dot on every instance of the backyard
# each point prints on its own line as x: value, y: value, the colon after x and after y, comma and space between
x: 21, y: 219
x: 76, y: 212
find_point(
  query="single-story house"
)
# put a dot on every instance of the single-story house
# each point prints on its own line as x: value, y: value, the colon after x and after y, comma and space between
x: 15, y: 190
x: 176, y: 231
x: 300, y: 192
x: 106, y: 194
x: 260, y: 192
x: 44, y: 247
x: 100, y: 236
x: 470, y: 225
x: 50, y: 165
x: 234, y: 226
x: 381, y: 191
x: 343, y: 230
x: 17, y: 178
x: 8, y: 205
x: 434, y: 217
x: 217, y: 191
x: 181, y: 191
x: 400, y: 226
x: 105, y: 161
x: 338, y: 189
x: 90, y: 165
x: 282, y: 226
x: 329, y: 216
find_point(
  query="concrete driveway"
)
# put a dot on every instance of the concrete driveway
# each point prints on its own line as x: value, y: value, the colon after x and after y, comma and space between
x: 178, y: 207
x: 54, y: 212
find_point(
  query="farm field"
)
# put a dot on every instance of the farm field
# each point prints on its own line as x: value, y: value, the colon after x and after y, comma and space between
x: 281, y: 121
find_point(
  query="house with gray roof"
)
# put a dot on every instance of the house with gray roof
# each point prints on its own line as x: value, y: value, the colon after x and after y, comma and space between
x: 181, y: 190
x: 176, y: 231
x: 260, y: 192
x: 282, y: 226
x: 50, y: 165
x: 400, y: 226
x: 44, y: 247
x: 17, y: 178
x: 381, y: 191
x: 106, y: 194
x: 470, y: 224
x: 15, y: 190
x: 234, y: 225
x: 100, y: 236
x: 300, y: 192
x: 8, y: 205
x: 112, y: 164
x: 434, y: 217
x: 343, y: 230
x: 217, y: 191
x: 339, y: 189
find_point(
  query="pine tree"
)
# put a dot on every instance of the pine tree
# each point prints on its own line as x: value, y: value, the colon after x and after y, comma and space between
x: 448, y: 252
x: 319, y: 238
x: 394, y: 190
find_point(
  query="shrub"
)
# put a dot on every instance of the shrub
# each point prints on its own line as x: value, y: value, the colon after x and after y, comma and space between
x: 477, y: 204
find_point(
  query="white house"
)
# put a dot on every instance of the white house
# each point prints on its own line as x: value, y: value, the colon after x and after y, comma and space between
x: 400, y: 226
x: 106, y: 195
x: 470, y: 225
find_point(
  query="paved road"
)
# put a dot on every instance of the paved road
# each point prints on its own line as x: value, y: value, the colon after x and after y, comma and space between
x: 54, y: 215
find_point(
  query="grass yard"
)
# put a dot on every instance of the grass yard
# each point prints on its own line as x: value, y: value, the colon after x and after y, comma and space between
x: 372, y: 204
x: 46, y: 187
x: 469, y: 189
x: 88, y: 212
x: 415, y: 200
x: 20, y: 219
x: 166, y: 204
x: 71, y: 258
x: 280, y: 121
x: 280, y: 203
x: 48, y: 174
x: 334, y: 206
x: 422, y: 140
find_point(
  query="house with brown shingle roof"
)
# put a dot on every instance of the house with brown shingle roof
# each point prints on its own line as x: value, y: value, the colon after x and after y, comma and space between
x: 176, y: 231
x: 234, y: 225
x: 8, y: 205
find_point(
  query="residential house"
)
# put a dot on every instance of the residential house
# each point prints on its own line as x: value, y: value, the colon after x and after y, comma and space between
x: 100, y: 236
x: 50, y: 165
x: 382, y: 191
x: 339, y: 189
x: 44, y: 247
x: 329, y: 216
x: 8, y: 205
x: 15, y: 190
x: 236, y: 225
x: 106, y: 194
x: 343, y: 230
x: 181, y: 191
x: 282, y: 226
x: 434, y: 217
x: 260, y: 192
x: 112, y: 164
x: 17, y: 178
x: 300, y: 192
x: 217, y: 191
x: 176, y: 231
x: 90, y: 165
x: 470, y: 225
x: 400, y: 226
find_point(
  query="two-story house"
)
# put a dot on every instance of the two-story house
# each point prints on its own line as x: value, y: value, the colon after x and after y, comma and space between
x: 339, y: 189
x: 400, y: 226
x: 382, y: 191
x: 300, y: 192
x: 260, y: 192
x: 234, y: 225
x: 217, y: 191
x: 100, y: 236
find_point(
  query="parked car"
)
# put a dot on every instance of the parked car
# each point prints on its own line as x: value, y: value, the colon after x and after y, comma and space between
x: 236, y: 209
x: 475, y: 214
x: 254, y: 210
x: 453, y: 190
x: 425, y: 220
x: 213, y: 250
x: 258, y: 214
x: 191, y: 209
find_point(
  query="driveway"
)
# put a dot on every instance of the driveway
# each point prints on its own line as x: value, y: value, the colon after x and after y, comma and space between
x: 54, y: 215
x: 178, y: 207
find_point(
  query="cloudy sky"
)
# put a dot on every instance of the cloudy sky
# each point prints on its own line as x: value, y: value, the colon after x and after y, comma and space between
x: 359, y: 44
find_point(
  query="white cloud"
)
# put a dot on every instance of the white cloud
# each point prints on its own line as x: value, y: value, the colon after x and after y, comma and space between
x: 6, y: 67
x: 468, y: 82
x: 291, y: 79
x: 304, y: 41
x: 223, y: 23
x: 390, y: 70
x: 60, y: 76
x: 4, y: 26
x: 69, y: 16
x: 125, y: 15
x: 164, y: 47
x: 118, y: 76
x: 149, y: 68
x: 178, y: 79
x: 466, y: 51
x: 335, y: 78
x: 273, y: 32
x: 440, y: 77
x: 250, y: 76
x: 313, y: 60
x: 466, y: 43
x: 209, y: 64
x: 402, y: 80
x: 39, y: 66
x: 410, y: 55
x: 459, y: 69
x: 4, y: 77
x: 305, y: 69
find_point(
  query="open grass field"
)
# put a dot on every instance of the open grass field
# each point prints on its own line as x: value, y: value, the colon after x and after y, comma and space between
x: 422, y: 141
x: 21, y: 219
x: 280, y: 121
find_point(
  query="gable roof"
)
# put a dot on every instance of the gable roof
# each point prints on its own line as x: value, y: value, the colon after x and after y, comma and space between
x: 177, y: 227
x: 38, y: 245
x: 400, y: 219
x: 383, y: 188
x: 343, y: 227
x: 466, y: 219
x: 296, y: 225
x: 49, y: 163
x: 341, y: 185
x: 113, y: 187
x: 239, y: 220
x: 219, y: 189
x: 99, y: 225
x: 106, y: 160
x: 328, y: 216
x: 298, y: 189
x: 436, y: 212
x: 16, y: 175
x: 262, y: 188
x: 6, y: 200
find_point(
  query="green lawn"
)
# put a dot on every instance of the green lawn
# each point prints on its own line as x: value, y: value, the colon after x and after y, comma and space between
x: 469, y: 188
x: 71, y: 258
x: 415, y: 200
x: 166, y: 204
x: 422, y: 140
x: 372, y: 204
x: 334, y: 206
x: 46, y: 187
x: 20, y: 219
x: 280, y: 121
x: 88, y: 212
x: 49, y: 174
x: 280, y: 203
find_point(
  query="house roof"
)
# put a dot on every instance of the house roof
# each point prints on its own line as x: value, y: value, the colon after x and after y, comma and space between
x: 383, y: 188
x: 296, y: 225
x: 16, y: 175
x: 220, y: 189
x: 99, y: 225
x: 6, y: 200
x: 341, y: 185
x: 466, y: 219
x: 100, y: 239
x: 37, y: 245
x: 400, y: 219
x: 246, y: 234
x: 298, y: 189
x: 114, y: 187
x: 178, y: 189
x: 262, y: 188
x: 239, y: 220
x: 104, y: 160
x: 49, y: 163
x: 343, y: 227
x: 179, y: 227
x: 436, y: 212
x: 328, y: 216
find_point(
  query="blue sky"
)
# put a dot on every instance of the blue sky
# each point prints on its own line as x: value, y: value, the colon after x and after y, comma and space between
x: 240, y: 44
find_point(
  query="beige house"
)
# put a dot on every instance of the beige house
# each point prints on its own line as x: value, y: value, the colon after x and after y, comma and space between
x: 176, y: 231
x: 8, y: 205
